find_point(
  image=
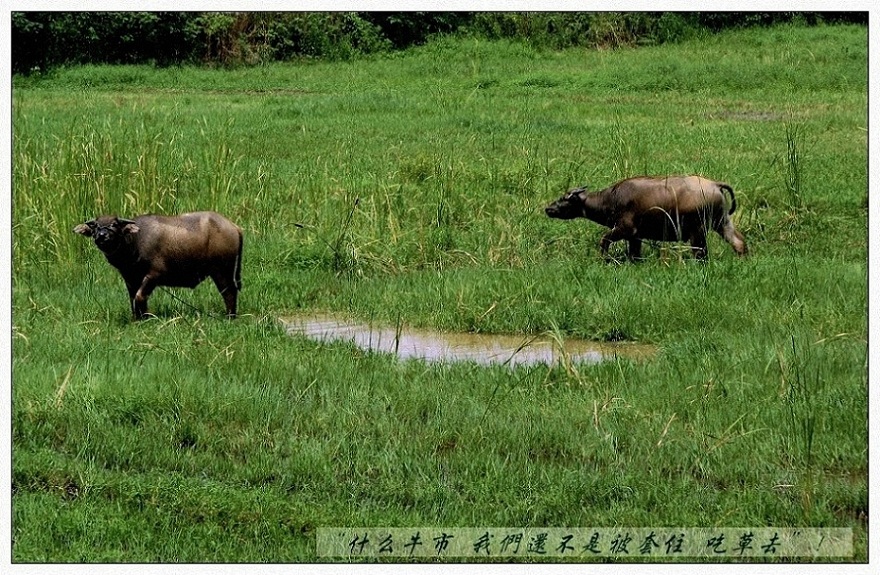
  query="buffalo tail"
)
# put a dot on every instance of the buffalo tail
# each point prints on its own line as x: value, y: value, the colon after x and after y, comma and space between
x: 726, y: 187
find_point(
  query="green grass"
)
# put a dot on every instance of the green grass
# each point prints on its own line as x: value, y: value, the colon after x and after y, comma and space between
x: 418, y: 181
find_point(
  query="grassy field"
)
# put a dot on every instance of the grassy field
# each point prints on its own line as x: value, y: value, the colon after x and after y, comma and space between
x: 418, y: 180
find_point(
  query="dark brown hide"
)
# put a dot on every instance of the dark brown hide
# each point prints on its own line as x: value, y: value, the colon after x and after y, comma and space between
x: 667, y: 209
x: 175, y: 251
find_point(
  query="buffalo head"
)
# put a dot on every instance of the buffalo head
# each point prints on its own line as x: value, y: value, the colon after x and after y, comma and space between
x: 569, y: 206
x: 107, y: 231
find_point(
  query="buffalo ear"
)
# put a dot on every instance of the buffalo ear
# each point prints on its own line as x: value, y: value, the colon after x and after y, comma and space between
x: 129, y: 227
x: 86, y: 229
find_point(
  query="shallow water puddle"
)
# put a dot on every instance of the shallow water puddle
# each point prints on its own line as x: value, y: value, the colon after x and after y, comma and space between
x: 484, y: 349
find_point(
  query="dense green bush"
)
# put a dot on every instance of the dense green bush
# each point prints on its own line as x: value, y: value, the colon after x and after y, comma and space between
x: 405, y: 29
x: 564, y: 29
x: 44, y: 39
x: 41, y: 40
x: 252, y: 37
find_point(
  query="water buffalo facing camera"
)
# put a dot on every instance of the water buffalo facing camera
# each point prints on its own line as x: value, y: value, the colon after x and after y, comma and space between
x: 666, y: 209
x: 174, y: 251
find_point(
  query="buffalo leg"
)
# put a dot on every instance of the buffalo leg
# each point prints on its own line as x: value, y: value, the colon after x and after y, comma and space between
x: 604, y: 243
x: 635, y: 249
x: 699, y: 245
x: 229, y: 291
x: 617, y: 233
x: 139, y: 303
x: 132, y: 291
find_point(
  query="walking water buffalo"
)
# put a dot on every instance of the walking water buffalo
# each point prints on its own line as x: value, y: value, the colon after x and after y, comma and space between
x: 174, y: 251
x: 665, y: 208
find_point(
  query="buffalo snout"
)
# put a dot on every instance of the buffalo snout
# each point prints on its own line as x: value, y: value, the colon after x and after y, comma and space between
x: 552, y: 210
x: 104, y: 236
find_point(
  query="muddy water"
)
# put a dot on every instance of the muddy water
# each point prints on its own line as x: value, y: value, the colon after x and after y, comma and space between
x: 485, y: 349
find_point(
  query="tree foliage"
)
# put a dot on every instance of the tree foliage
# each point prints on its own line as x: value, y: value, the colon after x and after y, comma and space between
x: 44, y: 39
x: 41, y: 40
